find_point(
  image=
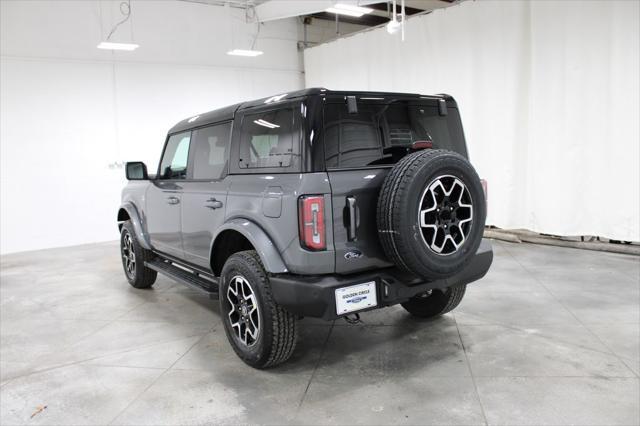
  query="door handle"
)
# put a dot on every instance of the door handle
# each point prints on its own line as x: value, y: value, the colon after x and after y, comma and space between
x: 353, y: 224
x: 213, y: 204
x: 173, y: 200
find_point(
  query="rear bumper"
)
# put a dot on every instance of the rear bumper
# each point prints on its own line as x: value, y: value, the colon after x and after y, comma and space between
x: 314, y: 296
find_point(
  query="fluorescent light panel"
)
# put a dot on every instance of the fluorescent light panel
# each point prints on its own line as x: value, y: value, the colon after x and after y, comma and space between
x: 242, y: 52
x: 349, y: 10
x: 108, y: 45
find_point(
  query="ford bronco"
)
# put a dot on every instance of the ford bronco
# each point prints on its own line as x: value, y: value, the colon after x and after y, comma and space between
x: 315, y: 203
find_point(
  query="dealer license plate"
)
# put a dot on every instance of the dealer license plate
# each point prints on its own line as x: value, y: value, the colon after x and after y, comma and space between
x: 356, y: 297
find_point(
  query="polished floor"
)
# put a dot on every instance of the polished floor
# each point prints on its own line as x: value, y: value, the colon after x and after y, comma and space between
x: 549, y: 337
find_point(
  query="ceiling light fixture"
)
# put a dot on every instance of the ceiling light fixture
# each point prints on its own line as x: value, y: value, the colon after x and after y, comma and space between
x: 108, y: 45
x: 243, y: 52
x: 349, y: 10
x: 252, y: 52
x: 125, y: 10
x: 394, y: 24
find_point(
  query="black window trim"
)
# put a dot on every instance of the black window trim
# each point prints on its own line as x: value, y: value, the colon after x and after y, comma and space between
x: 234, y: 162
x: 190, y: 161
x: 189, y: 177
x: 164, y: 150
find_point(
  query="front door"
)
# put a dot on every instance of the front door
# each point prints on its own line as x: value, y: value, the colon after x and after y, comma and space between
x: 204, y: 196
x: 164, y: 196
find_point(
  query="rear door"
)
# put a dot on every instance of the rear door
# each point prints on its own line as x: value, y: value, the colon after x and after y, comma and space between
x: 204, y: 194
x: 360, y: 150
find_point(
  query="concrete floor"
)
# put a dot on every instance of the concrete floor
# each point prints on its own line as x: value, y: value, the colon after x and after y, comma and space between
x: 550, y: 336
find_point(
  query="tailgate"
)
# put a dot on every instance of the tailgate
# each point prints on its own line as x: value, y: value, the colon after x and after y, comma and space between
x: 355, y: 234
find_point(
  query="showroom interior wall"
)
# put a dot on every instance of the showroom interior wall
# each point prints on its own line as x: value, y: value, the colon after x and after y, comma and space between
x: 549, y: 96
x: 69, y: 111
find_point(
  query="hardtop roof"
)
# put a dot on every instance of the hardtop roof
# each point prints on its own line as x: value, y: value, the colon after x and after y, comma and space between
x: 227, y: 113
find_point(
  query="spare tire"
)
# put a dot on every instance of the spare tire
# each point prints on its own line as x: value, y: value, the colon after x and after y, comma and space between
x: 431, y: 213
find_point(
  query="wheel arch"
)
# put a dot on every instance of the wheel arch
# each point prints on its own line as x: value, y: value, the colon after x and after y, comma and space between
x: 128, y: 211
x: 246, y: 235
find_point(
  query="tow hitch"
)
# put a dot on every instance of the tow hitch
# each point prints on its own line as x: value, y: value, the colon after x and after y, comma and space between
x: 354, y: 319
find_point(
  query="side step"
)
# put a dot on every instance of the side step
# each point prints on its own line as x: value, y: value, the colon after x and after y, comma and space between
x: 189, y: 278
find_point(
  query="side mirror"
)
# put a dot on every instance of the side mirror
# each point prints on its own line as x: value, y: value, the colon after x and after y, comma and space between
x: 136, y: 170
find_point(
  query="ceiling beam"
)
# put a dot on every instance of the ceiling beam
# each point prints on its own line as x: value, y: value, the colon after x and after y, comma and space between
x: 279, y: 9
x: 365, y: 20
x: 383, y: 7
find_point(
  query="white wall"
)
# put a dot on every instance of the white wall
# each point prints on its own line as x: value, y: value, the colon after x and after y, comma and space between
x: 68, y: 110
x: 549, y: 95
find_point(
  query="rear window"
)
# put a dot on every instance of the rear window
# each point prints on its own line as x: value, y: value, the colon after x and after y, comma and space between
x: 381, y: 134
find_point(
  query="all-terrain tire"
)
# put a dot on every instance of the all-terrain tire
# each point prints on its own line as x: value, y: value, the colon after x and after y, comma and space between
x: 437, y: 303
x: 398, y: 217
x: 277, y: 334
x: 139, y: 276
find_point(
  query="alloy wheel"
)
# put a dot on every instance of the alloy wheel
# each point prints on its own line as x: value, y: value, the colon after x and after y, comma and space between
x: 128, y: 255
x: 244, y: 315
x: 445, y: 214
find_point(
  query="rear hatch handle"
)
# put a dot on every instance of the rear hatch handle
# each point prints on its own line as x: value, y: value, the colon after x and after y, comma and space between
x: 353, y: 217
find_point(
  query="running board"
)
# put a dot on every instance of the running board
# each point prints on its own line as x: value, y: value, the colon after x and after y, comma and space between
x: 189, y: 278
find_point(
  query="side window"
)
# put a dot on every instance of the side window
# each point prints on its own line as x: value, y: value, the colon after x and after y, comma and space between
x: 176, y: 154
x: 210, y: 151
x: 267, y: 139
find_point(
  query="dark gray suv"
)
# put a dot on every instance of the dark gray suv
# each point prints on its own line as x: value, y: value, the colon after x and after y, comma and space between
x: 314, y: 203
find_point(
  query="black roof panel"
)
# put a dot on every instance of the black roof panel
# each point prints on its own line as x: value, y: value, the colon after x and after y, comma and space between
x: 227, y: 113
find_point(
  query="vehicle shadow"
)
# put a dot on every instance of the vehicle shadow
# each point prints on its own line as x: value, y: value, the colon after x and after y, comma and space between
x: 387, y: 341
x: 390, y: 341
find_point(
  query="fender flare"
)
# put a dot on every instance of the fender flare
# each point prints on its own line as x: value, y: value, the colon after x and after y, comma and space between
x: 268, y: 252
x: 141, y: 235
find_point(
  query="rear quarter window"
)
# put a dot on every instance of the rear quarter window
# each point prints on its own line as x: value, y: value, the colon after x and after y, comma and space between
x: 267, y: 140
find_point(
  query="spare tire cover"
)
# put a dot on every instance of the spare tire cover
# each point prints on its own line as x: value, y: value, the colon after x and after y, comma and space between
x: 431, y: 213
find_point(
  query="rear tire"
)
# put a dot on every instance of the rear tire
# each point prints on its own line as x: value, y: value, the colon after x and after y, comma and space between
x: 133, y: 256
x: 260, y: 331
x: 437, y: 303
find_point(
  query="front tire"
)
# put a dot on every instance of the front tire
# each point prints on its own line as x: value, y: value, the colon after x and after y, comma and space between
x: 133, y: 256
x: 437, y: 303
x: 261, y: 332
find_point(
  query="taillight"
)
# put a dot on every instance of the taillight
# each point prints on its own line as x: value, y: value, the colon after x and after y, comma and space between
x: 422, y: 145
x: 311, y: 222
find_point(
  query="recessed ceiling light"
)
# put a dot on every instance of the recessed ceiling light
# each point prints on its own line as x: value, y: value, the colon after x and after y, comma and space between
x: 349, y: 10
x: 108, y: 45
x: 241, y: 52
